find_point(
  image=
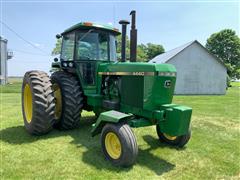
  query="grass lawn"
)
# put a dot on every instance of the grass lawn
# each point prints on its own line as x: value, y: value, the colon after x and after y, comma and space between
x: 212, y: 153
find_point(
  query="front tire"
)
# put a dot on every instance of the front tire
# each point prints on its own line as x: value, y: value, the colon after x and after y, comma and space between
x: 69, y: 101
x: 37, y: 102
x: 119, y: 144
x: 179, y: 141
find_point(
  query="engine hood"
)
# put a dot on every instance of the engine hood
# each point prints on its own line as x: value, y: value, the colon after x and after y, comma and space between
x: 132, y: 68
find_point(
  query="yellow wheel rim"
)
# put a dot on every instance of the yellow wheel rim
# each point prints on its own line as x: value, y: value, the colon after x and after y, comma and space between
x: 171, y: 138
x: 113, y: 145
x: 58, y: 103
x: 27, y: 104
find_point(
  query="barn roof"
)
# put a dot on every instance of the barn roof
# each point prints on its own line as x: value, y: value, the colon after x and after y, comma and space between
x: 165, y: 57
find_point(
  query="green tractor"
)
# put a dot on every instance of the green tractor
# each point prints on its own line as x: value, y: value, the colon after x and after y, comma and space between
x: 123, y: 95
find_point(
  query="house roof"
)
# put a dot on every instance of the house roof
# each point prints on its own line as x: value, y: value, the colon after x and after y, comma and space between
x: 165, y: 57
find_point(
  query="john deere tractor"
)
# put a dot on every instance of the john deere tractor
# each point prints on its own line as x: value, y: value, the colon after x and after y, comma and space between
x: 123, y: 94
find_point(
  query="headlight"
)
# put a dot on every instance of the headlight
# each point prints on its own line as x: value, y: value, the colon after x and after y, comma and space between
x: 70, y: 64
x: 65, y: 64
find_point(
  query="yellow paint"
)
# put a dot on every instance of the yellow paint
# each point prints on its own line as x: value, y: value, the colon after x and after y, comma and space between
x: 113, y: 145
x: 171, y: 138
x: 58, y: 103
x: 27, y: 104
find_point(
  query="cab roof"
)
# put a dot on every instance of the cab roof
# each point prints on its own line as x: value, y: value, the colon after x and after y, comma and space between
x: 89, y: 25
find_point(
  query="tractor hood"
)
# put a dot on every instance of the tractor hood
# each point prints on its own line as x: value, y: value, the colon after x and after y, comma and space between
x: 149, y: 85
x: 138, y: 69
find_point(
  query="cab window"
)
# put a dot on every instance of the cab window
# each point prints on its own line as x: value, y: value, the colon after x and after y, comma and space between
x: 92, y: 45
x: 68, y: 47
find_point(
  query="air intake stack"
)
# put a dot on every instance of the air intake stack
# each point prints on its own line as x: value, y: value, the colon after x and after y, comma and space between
x: 124, y: 24
x: 133, y: 38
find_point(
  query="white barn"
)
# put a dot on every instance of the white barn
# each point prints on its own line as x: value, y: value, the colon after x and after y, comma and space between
x: 198, y: 71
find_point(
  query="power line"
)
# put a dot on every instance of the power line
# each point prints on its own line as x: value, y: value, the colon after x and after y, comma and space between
x: 18, y: 35
x: 30, y: 53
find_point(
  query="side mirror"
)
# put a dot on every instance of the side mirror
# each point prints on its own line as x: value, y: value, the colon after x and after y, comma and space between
x: 58, y: 36
x: 55, y: 59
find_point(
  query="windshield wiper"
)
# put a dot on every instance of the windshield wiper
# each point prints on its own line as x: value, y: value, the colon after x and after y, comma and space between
x: 85, y: 34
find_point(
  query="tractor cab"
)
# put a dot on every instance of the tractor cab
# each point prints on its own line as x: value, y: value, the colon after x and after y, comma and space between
x: 85, y: 46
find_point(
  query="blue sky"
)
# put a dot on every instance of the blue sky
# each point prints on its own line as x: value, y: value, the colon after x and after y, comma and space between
x: 168, y: 23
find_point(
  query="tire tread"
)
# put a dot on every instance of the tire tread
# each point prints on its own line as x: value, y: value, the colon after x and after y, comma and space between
x: 43, y: 112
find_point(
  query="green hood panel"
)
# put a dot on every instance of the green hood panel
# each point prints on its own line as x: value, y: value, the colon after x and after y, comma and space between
x: 135, y: 67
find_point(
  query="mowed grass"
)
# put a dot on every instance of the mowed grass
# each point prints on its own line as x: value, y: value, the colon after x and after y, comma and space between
x: 212, y: 153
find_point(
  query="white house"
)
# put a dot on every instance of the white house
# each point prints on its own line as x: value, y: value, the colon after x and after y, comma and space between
x: 198, y: 71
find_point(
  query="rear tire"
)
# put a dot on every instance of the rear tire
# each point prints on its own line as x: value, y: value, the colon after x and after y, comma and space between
x: 71, y: 100
x: 179, y: 141
x: 37, y: 102
x: 119, y: 144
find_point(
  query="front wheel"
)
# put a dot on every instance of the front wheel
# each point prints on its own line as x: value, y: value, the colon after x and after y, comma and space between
x: 179, y: 141
x: 119, y: 144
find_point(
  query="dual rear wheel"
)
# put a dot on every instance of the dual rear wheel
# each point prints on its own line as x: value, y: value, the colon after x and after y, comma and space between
x: 37, y: 102
x: 50, y: 102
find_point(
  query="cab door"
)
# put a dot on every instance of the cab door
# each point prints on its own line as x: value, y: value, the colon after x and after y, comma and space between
x: 91, y: 49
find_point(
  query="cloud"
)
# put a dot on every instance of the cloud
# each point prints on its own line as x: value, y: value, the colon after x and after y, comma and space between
x: 39, y: 45
x: 36, y: 44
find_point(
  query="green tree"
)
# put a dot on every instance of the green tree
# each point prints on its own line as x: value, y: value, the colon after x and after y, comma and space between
x: 142, y: 53
x: 225, y: 45
x: 119, y: 47
x: 154, y: 50
x: 57, y: 48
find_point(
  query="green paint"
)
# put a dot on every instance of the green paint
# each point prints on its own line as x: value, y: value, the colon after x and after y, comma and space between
x: 108, y: 117
x: 94, y: 100
x: 136, y: 67
x: 177, y: 119
x: 135, y: 123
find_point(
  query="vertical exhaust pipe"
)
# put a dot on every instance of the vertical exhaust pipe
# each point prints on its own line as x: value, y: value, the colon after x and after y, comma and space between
x: 133, y: 38
x: 124, y: 24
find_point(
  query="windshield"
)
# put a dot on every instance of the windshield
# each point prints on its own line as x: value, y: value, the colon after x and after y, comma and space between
x: 95, y: 45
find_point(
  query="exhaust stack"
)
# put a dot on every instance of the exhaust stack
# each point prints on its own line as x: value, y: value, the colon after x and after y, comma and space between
x: 124, y: 24
x: 133, y: 38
